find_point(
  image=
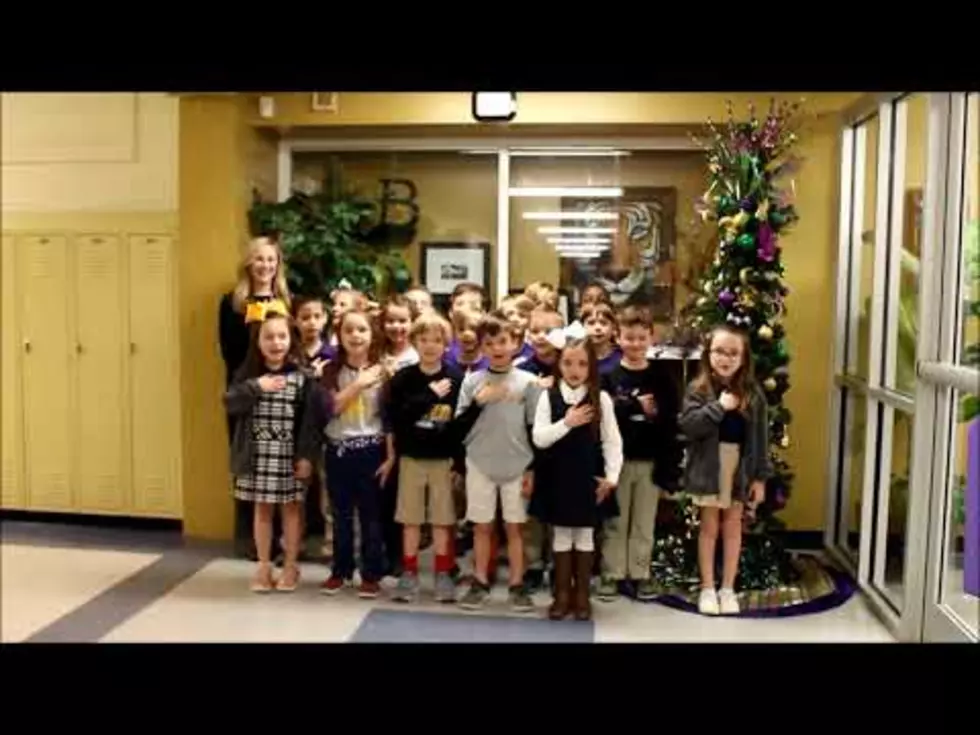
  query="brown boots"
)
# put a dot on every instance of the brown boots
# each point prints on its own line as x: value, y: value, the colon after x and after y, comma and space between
x: 561, y: 605
x: 573, y: 576
x: 583, y: 584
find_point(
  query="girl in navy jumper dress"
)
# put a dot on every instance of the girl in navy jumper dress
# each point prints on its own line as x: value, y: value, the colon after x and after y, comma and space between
x: 576, y: 469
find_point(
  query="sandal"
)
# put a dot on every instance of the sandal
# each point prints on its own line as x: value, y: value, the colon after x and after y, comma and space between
x: 262, y: 581
x: 289, y: 580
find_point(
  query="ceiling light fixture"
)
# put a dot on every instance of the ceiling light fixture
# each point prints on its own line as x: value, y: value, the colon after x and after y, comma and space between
x: 571, y: 216
x: 553, y: 230
x: 580, y: 240
x: 580, y: 255
x: 566, y: 191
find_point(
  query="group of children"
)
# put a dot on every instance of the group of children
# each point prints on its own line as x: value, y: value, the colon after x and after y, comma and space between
x: 405, y: 417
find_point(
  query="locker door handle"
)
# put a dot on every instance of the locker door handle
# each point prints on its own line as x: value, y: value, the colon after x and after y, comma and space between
x: 132, y: 348
x: 79, y: 349
x: 27, y: 346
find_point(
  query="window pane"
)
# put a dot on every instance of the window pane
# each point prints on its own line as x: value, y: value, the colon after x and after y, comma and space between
x: 907, y: 243
x: 897, y: 477
x: 867, y: 245
x: 852, y: 471
x: 969, y: 348
x: 455, y: 195
x: 638, y: 243
x: 960, y: 581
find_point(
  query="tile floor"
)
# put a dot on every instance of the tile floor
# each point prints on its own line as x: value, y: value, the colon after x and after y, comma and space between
x: 72, y: 590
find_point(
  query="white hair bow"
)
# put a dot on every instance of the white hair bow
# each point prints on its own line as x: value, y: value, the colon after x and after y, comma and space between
x: 558, y: 338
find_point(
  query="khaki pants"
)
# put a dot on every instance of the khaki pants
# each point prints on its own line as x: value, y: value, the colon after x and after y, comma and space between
x: 628, y: 544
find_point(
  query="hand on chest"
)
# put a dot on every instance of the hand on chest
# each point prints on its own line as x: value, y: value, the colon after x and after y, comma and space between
x: 502, y: 393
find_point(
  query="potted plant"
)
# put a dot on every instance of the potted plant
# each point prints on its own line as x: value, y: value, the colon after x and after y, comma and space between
x: 329, y: 235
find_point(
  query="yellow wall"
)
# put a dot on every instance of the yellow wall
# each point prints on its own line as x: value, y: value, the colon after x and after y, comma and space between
x: 75, y: 165
x: 221, y: 160
x: 89, y: 152
x: 533, y: 108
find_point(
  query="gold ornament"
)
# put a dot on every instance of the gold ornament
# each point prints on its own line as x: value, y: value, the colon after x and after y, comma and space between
x: 770, y: 384
x: 763, y: 210
x: 765, y: 332
x: 784, y: 442
x: 743, y: 275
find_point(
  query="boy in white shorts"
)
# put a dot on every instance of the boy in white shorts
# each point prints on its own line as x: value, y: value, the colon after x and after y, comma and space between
x: 497, y: 406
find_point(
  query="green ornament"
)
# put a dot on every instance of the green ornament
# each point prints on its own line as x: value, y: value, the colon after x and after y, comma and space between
x: 726, y: 204
x: 777, y: 218
x: 745, y: 241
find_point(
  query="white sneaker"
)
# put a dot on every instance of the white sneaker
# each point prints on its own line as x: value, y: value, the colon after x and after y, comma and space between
x: 728, y: 602
x: 708, y: 602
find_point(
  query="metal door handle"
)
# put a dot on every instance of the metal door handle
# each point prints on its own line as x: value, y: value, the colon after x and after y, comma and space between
x: 79, y: 349
x: 27, y: 346
x: 132, y: 348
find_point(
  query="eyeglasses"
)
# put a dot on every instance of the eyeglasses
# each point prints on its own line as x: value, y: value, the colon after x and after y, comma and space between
x: 727, y: 354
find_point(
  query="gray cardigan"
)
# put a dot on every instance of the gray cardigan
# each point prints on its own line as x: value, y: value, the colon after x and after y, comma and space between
x: 241, y: 398
x: 699, y: 420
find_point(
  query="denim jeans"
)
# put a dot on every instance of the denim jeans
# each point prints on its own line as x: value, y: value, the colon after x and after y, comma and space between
x: 351, y: 466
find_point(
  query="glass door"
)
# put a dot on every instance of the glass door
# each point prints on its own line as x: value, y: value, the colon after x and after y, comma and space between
x: 948, y: 392
x: 884, y: 182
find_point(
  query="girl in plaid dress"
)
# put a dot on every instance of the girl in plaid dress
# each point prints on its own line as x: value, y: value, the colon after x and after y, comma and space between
x: 277, y: 408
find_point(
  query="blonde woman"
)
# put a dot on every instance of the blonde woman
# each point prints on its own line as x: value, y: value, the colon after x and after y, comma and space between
x: 261, y: 284
x: 261, y: 281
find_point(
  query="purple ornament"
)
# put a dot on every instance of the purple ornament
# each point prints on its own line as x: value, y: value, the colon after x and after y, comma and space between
x: 747, y: 204
x: 726, y: 297
x: 767, y: 243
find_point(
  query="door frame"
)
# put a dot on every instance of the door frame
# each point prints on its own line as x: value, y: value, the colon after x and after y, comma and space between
x: 921, y: 616
x: 939, y: 376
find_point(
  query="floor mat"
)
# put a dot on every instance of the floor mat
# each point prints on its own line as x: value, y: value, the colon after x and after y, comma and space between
x: 396, y: 626
x: 820, y: 587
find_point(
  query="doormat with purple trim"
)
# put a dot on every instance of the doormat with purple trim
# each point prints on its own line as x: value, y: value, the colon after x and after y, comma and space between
x: 818, y: 589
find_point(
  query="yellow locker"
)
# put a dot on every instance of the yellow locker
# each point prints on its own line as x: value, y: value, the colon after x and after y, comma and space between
x: 154, y: 383
x: 101, y: 380
x: 46, y: 370
x: 13, y: 492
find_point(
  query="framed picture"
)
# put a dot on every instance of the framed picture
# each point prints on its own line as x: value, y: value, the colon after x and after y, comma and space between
x: 324, y: 102
x: 445, y: 265
x: 639, y: 267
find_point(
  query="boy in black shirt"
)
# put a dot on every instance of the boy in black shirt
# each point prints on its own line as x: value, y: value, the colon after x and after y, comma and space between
x: 422, y: 400
x: 646, y: 410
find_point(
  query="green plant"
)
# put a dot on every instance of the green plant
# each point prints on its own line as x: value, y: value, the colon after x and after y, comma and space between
x: 325, y: 239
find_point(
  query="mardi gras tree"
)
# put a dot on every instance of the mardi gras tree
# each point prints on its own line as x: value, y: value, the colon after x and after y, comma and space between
x: 743, y: 287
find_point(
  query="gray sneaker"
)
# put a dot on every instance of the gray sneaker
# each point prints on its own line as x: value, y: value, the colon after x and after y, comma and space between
x: 407, y: 588
x: 646, y: 590
x: 608, y: 589
x: 520, y: 600
x: 445, y: 588
x: 475, y: 597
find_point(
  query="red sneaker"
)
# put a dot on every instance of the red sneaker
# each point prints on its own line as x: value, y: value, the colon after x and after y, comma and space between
x: 332, y: 586
x: 369, y: 590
